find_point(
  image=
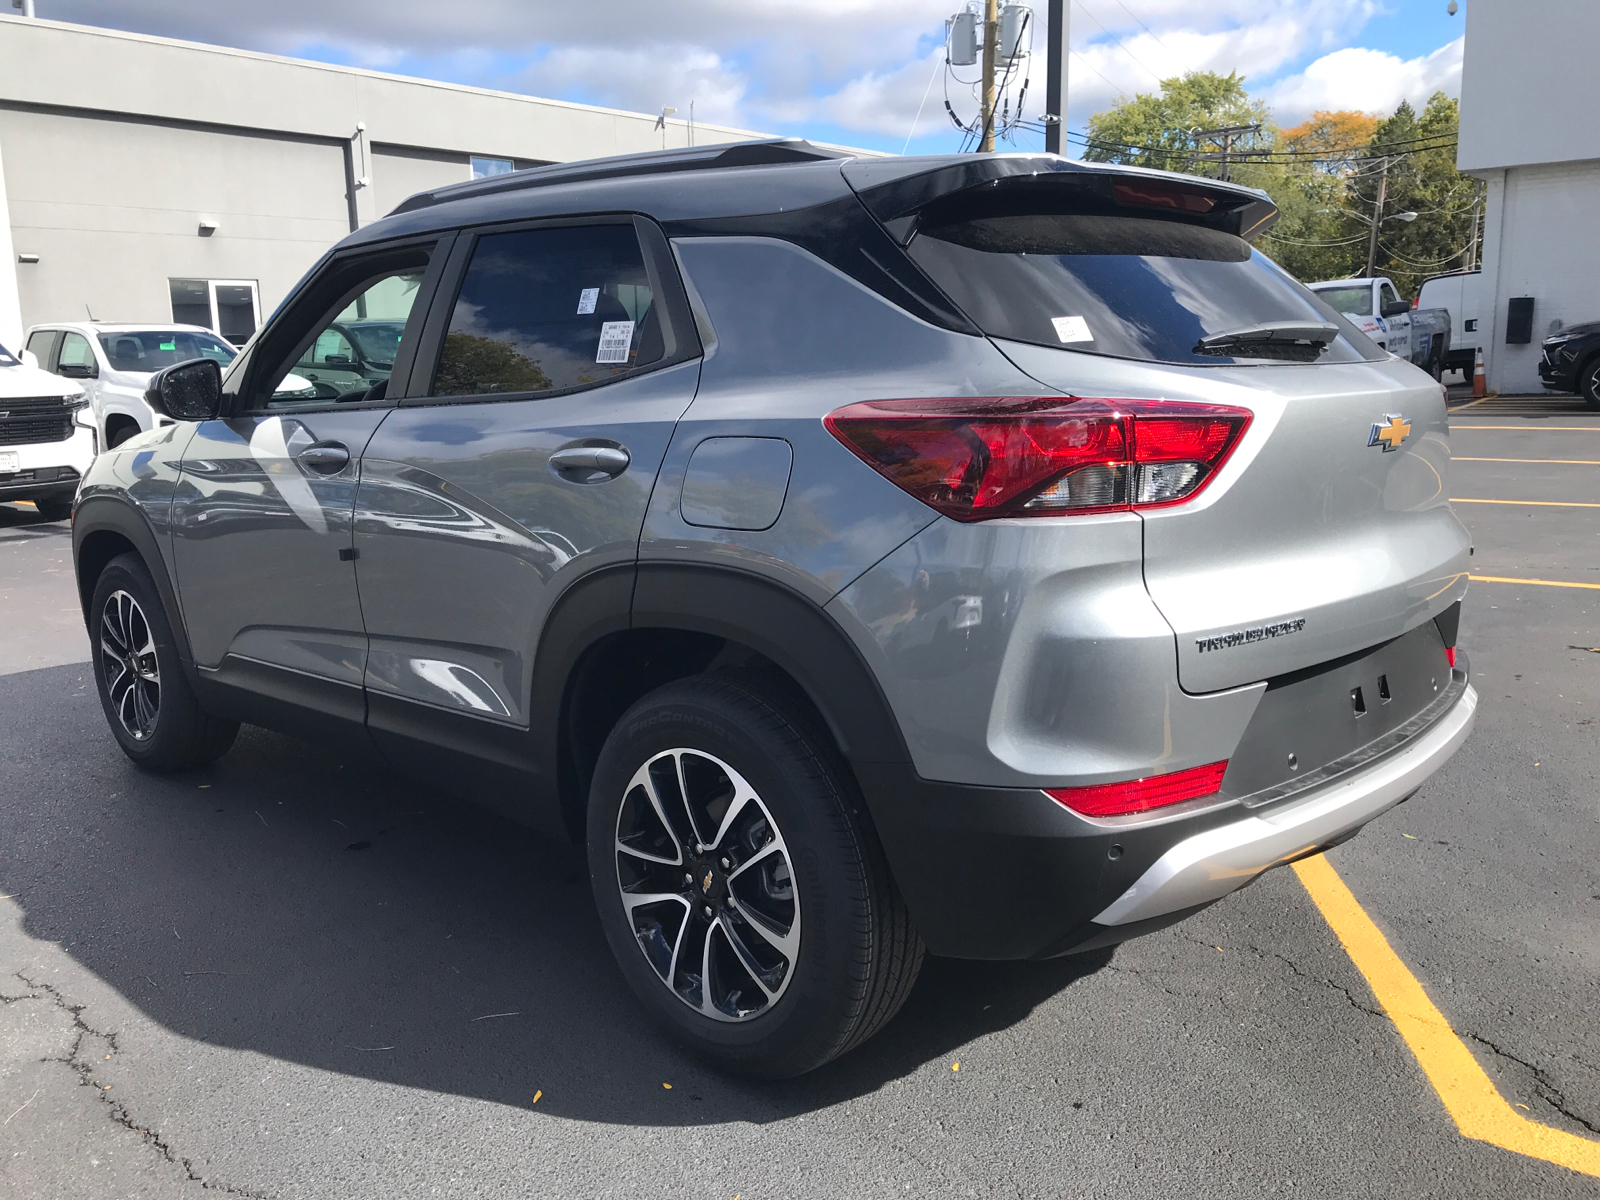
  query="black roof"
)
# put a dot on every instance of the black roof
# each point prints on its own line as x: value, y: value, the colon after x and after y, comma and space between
x: 784, y: 174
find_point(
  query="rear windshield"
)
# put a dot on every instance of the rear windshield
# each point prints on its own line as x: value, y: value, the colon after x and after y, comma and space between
x: 1132, y: 287
x: 153, y: 349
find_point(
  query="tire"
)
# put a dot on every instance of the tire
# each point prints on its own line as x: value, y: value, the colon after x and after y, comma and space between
x: 54, y: 508
x: 838, y: 956
x: 1589, y: 382
x: 147, y: 699
x: 122, y: 434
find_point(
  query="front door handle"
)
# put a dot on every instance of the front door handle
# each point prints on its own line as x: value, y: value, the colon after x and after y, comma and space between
x: 325, y: 458
x: 581, y: 463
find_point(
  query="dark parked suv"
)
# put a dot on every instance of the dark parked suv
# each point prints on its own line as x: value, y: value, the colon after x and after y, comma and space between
x: 990, y: 555
x: 1571, y: 362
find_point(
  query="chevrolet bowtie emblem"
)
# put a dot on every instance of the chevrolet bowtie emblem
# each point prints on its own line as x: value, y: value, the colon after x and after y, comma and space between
x: 705, y: 884
x: 1390, y: 432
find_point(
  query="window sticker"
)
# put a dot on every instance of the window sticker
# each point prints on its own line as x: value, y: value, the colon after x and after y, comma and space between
x: 169, y: 345
x: 615, y: 339
x: 1072, y: 329
x: 586, y: 301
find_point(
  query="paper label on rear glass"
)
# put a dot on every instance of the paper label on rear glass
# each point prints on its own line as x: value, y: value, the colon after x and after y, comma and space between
x: 169, y: 345
x: 615, y: 338
x: 587, y: 300
x: 1072, y: 329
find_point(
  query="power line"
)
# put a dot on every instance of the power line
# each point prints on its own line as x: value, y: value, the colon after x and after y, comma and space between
x: 1116, y: 39
x: 1152, y: 33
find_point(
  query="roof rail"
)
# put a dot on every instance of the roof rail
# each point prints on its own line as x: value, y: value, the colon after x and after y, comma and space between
x: 770, y: 152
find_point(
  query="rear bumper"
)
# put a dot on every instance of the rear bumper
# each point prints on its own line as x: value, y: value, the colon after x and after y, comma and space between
x: 1007, y: 873
x: 1209, y: 865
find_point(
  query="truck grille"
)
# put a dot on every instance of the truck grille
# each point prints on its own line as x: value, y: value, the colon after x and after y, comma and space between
x: 32, y: 420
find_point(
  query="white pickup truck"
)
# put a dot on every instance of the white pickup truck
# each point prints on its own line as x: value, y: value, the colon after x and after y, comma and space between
x: 45, y: 444
x: 1418, y: 335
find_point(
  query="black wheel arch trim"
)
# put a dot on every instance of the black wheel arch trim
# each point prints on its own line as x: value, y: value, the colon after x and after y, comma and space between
x: 106, y: 514
x: 785, y: 627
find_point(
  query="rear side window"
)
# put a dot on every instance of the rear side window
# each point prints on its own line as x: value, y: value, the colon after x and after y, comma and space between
x: 1132, y: 287
x: 550, y: 309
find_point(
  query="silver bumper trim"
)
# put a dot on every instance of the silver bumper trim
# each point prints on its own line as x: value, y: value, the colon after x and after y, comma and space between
x: 1210, y: 865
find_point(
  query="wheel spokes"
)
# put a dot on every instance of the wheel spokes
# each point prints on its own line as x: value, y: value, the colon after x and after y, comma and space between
x: 129, y: 664
x: 732, y: 952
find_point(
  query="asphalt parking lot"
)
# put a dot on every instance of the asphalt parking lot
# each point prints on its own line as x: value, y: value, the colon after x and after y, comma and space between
x: 291, y: 976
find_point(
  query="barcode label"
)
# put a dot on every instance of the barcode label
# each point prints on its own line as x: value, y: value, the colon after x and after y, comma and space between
x: 615, y: 338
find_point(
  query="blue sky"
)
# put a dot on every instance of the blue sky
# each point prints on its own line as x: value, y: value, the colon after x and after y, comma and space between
x: 847, y: 71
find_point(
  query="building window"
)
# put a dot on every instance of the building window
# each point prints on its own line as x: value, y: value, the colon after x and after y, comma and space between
x: 230, y: 307
x: 487, y: 168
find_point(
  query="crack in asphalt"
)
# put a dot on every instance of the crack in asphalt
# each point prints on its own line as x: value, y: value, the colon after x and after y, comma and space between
x: 1547, y: 1089
x: 118, y: 1112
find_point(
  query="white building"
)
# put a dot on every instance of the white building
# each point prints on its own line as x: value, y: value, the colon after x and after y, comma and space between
x: 1529, y: 98
x: 146, y: 179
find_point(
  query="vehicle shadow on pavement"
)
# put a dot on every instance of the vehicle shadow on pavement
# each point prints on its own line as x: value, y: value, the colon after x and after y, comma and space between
x: 20, y: 522
x: 295, y: 904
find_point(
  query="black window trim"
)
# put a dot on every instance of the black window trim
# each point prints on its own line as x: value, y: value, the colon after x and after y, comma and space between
x: 680, y: 340
x: 313, y: 291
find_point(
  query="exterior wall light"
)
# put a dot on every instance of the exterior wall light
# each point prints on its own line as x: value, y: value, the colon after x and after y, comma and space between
x: 207, y: 227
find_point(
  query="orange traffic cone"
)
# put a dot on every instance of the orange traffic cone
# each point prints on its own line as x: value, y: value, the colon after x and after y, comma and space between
x: 1480, y: 382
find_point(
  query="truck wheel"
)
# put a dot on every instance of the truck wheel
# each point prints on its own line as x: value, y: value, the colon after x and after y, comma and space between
x: 1589, y: 382
x: 54, y: 508
x: 148, y: 703
x: 739, y: 883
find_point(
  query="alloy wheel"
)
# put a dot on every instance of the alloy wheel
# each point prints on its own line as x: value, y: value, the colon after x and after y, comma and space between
x: 129, y: 666
x: 708, y: 885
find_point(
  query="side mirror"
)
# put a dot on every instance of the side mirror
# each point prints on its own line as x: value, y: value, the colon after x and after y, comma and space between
x: 1394, y: 308
x: 76, y: 370
x: 187, y: 391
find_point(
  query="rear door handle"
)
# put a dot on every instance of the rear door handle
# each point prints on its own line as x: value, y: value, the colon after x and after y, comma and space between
x: 325, y: 458
x: 576, y: 462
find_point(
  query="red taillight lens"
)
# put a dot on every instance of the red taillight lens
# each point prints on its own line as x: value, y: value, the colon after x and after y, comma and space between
x: 1141, y: 795
x: 1041, y: 456
x: 1450, y: 656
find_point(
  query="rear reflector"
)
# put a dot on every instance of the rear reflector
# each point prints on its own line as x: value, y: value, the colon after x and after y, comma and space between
x: 1141, y: 795
x: 975, y: 458
x: 1450, y: 656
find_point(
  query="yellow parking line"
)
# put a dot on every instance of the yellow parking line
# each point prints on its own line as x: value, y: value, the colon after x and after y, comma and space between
x: 1469, y: 1095
x: 1540, y: 428
x: 1569, y: 462
x: 1535, y: 582
x: 1540, y: 503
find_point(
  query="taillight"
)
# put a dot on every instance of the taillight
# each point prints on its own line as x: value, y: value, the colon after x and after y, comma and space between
x: 1450, y: 656
x: 1141, y: 795
x: 1041, y: 456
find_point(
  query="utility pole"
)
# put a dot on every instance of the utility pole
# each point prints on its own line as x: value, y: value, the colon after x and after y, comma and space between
x: 991, y: 40
x: 1058, y: 44
x: 1377, y: 215
x: 1225, y: 134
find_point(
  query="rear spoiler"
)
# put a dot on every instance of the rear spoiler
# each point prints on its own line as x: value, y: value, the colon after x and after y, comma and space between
x: 895, y: 190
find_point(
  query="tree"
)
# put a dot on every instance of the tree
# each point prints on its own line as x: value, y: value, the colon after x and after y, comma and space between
x: 1330, y: 141
x: 1156, y: 131
x: 470, y: 365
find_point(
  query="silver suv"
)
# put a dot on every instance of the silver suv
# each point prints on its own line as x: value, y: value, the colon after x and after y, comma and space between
x: 989, y: 556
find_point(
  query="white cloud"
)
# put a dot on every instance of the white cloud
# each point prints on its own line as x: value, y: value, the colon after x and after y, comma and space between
x: 859, y: 65
x: 1368, y: 80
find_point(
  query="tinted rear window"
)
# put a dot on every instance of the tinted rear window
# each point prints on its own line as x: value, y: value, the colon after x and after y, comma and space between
x: 550, y: 309
x: 1132, y: 287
